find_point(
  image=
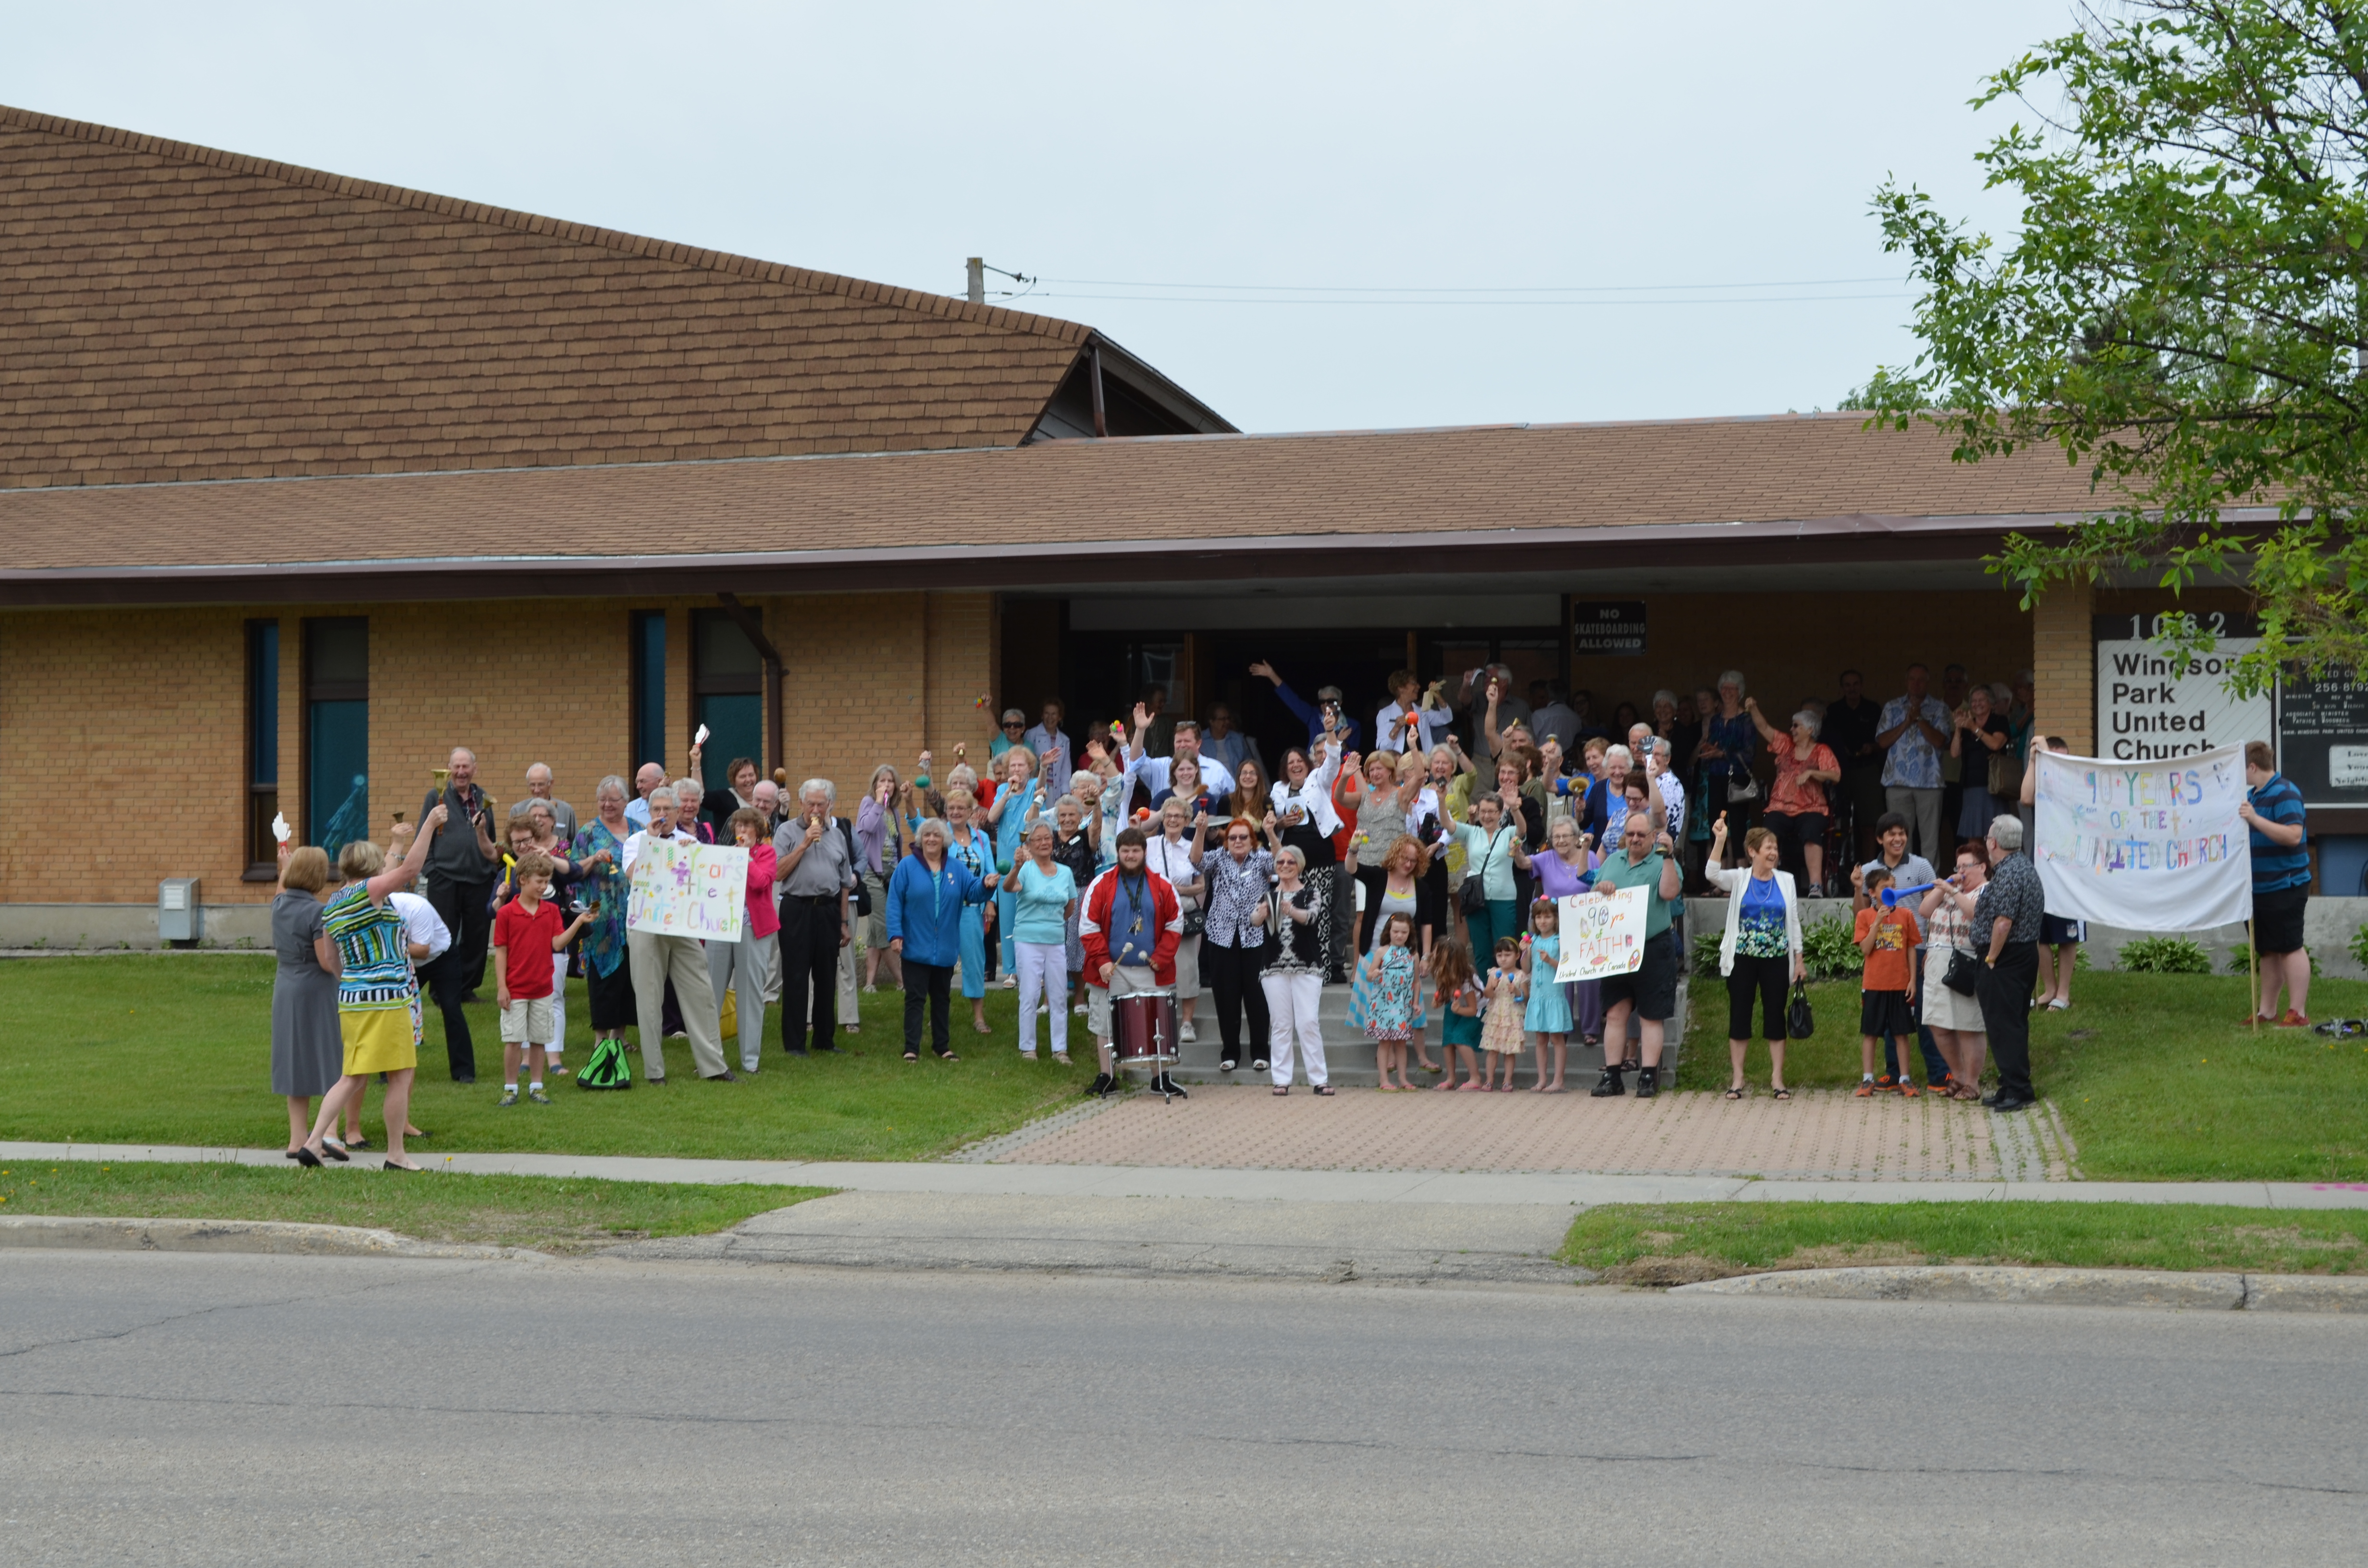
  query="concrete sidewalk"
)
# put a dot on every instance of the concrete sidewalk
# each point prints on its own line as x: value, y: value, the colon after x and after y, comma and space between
x: 1560, y: 1188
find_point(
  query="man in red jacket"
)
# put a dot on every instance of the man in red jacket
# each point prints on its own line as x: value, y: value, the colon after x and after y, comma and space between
x: 1130, y: 927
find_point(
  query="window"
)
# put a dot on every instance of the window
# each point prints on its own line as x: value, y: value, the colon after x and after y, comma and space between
x: 727, y: 686
x: 262, y: 747
x: 336, y: 732
x: 649, y: 654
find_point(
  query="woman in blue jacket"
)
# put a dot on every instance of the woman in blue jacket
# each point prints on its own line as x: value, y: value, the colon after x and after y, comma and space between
x: 926, y: 900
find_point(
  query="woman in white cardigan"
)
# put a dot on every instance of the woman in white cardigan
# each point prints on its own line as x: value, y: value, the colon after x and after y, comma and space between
x: 1761, y: 954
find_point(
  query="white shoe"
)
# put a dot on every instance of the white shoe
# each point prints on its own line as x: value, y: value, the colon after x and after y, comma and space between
x: 1078, y: 1010
x: 1185, y: 1035
x: 1009, y: 983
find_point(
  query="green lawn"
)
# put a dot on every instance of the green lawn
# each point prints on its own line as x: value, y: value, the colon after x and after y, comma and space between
x: 535, y: 1211
x: 2155, y: 1079
x: 177, y: 1049
x: 1674, y: 1243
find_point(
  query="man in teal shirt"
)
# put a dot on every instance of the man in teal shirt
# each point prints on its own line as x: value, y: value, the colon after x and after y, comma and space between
x: 1644, y: 860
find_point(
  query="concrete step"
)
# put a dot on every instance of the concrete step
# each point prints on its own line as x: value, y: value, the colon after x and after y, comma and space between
x: 1349, y: 1057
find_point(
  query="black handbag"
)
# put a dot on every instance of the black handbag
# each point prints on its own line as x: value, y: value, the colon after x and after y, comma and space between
x: 1964, y: 974
x: 1800, y: 1023
x: 1472, y: 898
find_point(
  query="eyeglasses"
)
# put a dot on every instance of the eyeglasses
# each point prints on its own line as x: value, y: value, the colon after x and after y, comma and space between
x: 1013, y: 724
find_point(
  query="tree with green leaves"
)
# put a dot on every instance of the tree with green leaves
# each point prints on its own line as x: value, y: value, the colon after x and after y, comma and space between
x: 2180, y: 309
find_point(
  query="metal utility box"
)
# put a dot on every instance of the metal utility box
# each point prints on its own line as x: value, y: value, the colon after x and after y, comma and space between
x: 179, y: 917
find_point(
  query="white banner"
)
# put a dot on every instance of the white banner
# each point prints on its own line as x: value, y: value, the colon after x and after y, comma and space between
x: 689, y: 890
x: 2145, y: 846
x: 1601, y: 936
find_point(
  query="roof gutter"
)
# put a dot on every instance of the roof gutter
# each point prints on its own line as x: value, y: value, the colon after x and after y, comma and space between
x: 1095, y: 564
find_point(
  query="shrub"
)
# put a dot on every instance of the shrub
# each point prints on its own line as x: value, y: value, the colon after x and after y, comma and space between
x: 1829, y: 950
x: 2163, y: 955
x: 2360, y: 945
x: 1706, y: 946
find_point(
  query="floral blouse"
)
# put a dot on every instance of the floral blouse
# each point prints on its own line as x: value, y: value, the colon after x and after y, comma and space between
x: 604, y: 935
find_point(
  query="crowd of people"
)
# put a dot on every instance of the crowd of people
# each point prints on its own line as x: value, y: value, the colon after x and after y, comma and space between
x: 1421, y: 869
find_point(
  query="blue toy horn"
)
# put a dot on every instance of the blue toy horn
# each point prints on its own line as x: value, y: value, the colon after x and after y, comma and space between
x: 1891, y: 896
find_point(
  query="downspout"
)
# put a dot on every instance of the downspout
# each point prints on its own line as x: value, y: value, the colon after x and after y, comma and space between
x: 754, y: 629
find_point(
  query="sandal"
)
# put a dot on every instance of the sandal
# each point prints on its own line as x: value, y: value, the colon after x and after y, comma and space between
x: 912, y: 1056
x: 1281, y: 1090
x: 1321, y: 1091
x: 1736, y: 1093
x: 948, y: 1056
x: 1780, y: 1092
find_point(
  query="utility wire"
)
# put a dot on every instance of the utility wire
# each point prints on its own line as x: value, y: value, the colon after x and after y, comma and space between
x: 1538, y: 289
x: 1727, y: 300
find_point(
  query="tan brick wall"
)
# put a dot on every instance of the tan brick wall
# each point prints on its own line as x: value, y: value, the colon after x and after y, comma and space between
x: 153, y: 701
x: 2064, y: 661
x: 120, y: 742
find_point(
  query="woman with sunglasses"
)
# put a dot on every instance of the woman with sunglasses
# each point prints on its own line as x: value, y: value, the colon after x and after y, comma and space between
x: 1232, y: 938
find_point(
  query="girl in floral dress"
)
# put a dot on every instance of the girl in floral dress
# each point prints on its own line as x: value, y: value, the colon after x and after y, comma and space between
x: 1388, y: 996
x: 1500, y: 1035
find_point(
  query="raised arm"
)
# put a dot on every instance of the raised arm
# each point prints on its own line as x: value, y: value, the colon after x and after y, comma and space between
x: 1767, y: 732
x: 394, y: 879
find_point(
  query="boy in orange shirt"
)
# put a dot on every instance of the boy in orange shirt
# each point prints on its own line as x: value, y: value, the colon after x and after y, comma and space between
x: 1886, y: 1005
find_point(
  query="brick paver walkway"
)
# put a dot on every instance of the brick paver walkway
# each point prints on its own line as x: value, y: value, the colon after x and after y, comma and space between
x: 1821, y: 1133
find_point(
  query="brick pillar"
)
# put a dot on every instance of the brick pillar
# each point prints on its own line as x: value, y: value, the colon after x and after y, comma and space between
x: 2064, y: 665
x: 962, y: 639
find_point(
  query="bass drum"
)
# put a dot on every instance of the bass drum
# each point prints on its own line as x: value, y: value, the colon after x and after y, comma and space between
x: 1143, y: 1028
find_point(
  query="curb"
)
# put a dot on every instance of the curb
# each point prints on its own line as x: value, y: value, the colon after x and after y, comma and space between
x: 2056, y: 1288
x: 62, y: 1232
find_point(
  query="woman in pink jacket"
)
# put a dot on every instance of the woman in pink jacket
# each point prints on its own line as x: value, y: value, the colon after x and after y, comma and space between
x: 740, y: 966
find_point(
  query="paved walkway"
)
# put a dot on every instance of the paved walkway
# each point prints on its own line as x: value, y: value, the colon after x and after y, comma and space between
x: 1313, y: 1186
x: 1821, y: 1133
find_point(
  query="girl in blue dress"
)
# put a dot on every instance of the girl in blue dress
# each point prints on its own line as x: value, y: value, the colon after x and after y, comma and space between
x: 1547, y: 1019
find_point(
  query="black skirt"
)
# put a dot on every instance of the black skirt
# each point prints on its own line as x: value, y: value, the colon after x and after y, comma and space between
x: 612, y: 996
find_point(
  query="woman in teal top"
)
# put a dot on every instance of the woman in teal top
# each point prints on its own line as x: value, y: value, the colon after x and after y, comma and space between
x: 1042, y: 891
x: 969, y: 844
x: 1016, y: 803
x: 1491, y: 842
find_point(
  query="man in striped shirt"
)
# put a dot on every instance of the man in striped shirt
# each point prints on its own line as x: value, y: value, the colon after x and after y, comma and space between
x: 2274, y: 810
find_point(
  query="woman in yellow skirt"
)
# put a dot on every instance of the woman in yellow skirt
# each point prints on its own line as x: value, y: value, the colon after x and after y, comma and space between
x: 374, y: 987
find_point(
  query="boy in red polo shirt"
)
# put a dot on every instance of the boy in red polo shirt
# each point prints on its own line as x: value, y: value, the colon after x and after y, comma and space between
x: 527, y: 931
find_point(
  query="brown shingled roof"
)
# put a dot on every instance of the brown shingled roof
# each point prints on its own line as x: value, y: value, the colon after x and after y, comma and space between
x: 177, y: 313
x: 942, y: 516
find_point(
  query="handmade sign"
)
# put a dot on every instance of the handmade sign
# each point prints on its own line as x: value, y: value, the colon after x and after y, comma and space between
x: 1601, y: 936
x: 689, y: 890
x: 2144, y: 846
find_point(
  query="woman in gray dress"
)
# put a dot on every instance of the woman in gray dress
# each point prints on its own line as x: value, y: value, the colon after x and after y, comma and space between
x: 307, y: 1050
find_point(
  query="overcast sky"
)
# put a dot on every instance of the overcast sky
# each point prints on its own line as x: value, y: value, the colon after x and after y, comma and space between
x: 1704, y: 170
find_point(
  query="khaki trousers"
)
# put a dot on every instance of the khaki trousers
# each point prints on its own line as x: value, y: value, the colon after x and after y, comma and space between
x: 656, y: 960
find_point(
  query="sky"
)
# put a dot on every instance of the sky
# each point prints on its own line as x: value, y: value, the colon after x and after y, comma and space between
x: 1313, y: 216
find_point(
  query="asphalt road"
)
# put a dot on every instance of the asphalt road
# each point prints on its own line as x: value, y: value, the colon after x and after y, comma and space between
x: 195, y: 1409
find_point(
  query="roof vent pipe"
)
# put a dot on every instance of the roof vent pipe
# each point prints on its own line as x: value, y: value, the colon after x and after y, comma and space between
x: 978, y: 280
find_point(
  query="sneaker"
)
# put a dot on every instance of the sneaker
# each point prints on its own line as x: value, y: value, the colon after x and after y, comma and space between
x: 1170, y: 1088
x: 1648, y: 1082
x: 1102, y: 1085
x: 1907, y: 1090
x: 510, y: 1097
x: 1865, y: 1090
x: 1886, y: 1082
x: 1609, y: 1085
x: 1185, y: 1035
x: 538, y: 1096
